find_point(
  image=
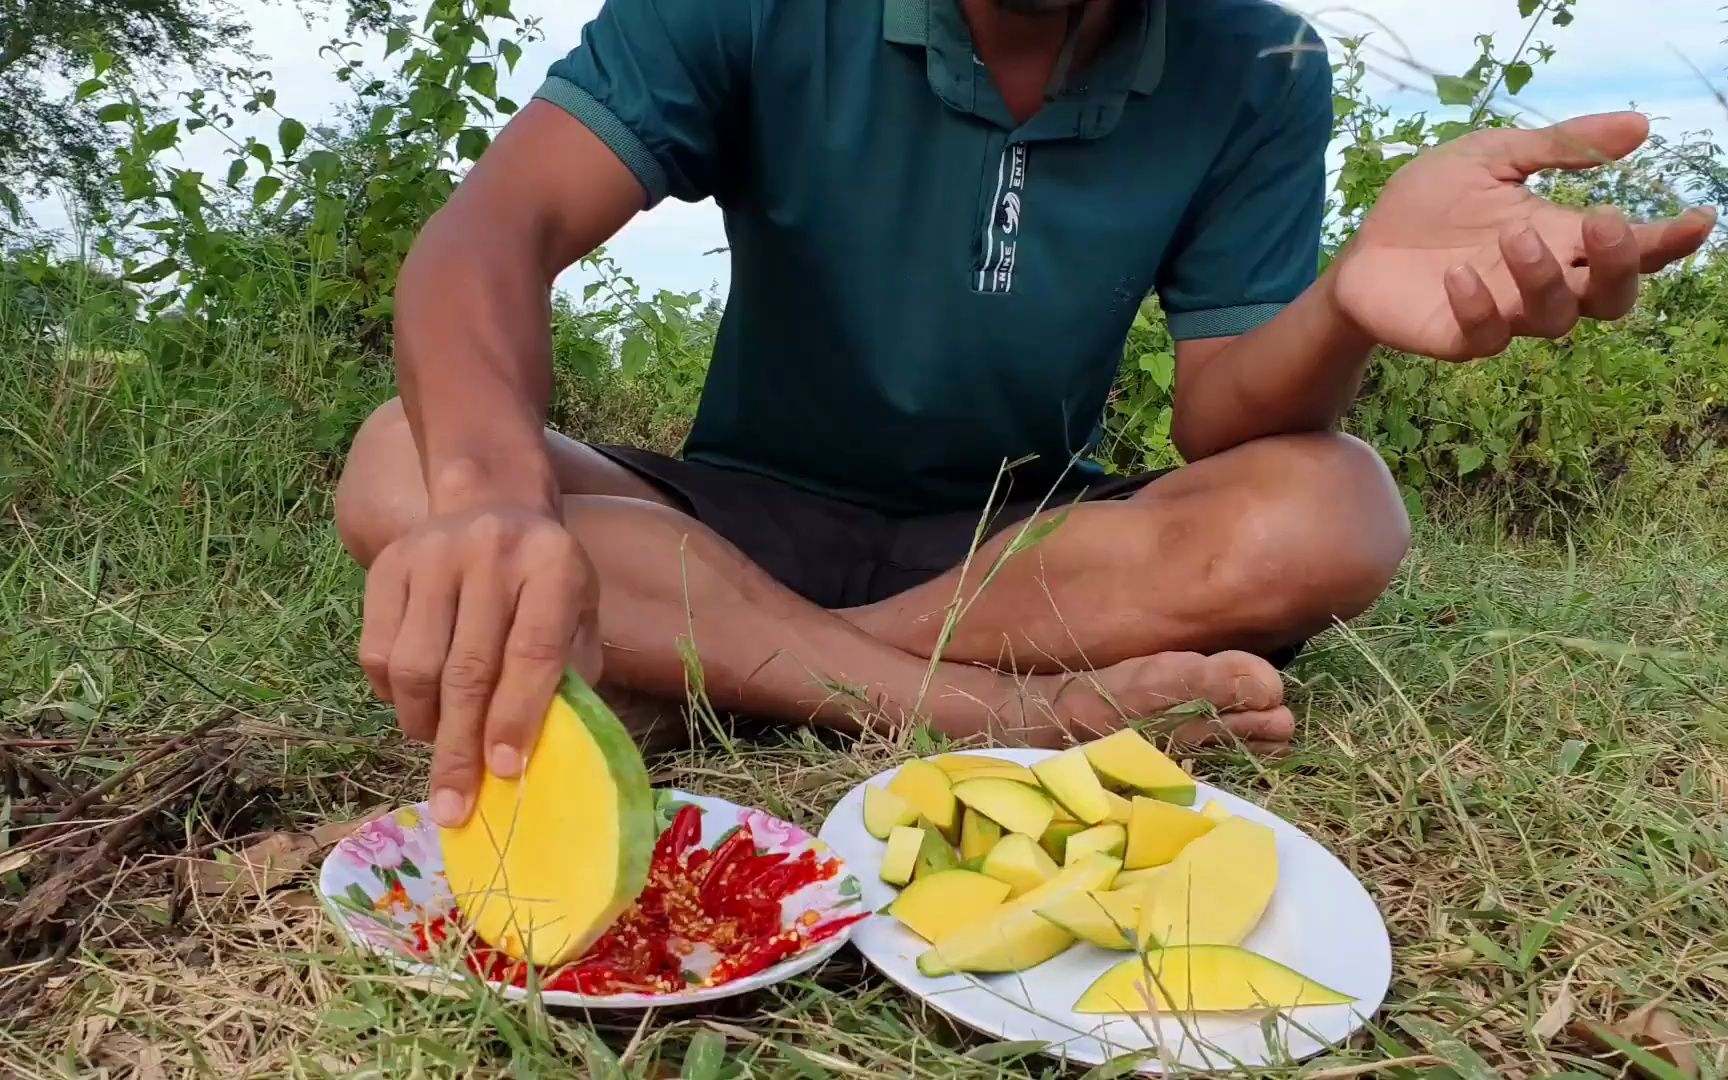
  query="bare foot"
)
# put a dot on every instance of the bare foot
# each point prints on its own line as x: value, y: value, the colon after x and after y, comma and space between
x: 1245, y: 691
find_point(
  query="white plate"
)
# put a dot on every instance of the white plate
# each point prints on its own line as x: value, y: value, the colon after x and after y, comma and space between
x: 389, y: 874
x: 1321, y: 922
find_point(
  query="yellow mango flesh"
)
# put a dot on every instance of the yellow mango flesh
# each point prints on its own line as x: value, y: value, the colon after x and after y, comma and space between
x: 978, y: 834
x: 1214, y: 811
x: 550, y: 859
x: 1134, y: 879
x: 883, y: 810
x: 1202, y: 978
x: 1216, y: 890
x: 971, y: 766
x: 1069, y: 779
x: 1105, y: 839
x: 940, y: 904
x: 1127, y: 760
x: 1021, y: 863
x: 929, y: 789
x: 1104, y: 919
x: 1120, y: 808
x: 901, y: 858
x: 1014, y: 806
x: 1158, y: 831
x: 1016, y: 937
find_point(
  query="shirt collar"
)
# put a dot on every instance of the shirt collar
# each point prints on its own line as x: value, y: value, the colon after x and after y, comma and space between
x: 908, y: 22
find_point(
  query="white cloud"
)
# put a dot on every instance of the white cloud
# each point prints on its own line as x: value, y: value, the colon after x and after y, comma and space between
x: 1616, y: 54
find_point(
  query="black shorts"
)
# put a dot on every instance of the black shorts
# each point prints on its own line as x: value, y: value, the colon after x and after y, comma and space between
x: 836, y: 554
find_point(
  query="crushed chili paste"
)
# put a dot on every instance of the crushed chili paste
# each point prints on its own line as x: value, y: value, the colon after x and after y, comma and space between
x: 725, y: 903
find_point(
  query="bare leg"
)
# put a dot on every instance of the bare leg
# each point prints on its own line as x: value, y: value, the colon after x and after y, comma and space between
x: 764, y: 650
x: 1256, y: 548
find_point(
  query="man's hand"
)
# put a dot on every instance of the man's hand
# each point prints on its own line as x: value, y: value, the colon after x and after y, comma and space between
x: 1458, y: 256
x: 470, y: 620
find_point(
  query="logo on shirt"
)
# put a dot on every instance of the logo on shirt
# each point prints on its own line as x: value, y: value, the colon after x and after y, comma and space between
x: 996, y: 272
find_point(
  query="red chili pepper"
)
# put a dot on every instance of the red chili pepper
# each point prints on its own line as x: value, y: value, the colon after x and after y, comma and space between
x: 763, y: 956
x: 752, y: 869
x: 756, y: 916
x: 829, y: 929
x: 684, y: 833
x: 785, y: 879
x: 740, y: 845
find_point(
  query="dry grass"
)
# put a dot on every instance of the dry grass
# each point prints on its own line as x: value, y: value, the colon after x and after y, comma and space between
x: 1522, y: 751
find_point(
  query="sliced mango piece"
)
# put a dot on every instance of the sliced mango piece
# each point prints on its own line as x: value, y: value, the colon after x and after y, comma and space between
x: 1020, y: 862
x: 966, y: 766
x: 1069, y: 779
x: 548, y: 860
x: 1216, y: 890
x: 935, y: 854
x: 1203, y: 978
x: 1120, y: 808
x: 1214, y: 811
x: 1106, y: 839
x: 959, y: 763
x: 1014, y: 806
x: 936, y: 906
x: 1134, y: 879
x: 1126, y: 760
x: 978, y: 834
x: 1105, y: 919
x: 883, y: 810
x: 1015, y: 937
x: 1158, y: 831
x: 1055, y: 838
x: 900, y: 861
x: 929, y: 789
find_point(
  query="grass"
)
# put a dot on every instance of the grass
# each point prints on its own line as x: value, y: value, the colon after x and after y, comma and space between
x: 1522, y: 751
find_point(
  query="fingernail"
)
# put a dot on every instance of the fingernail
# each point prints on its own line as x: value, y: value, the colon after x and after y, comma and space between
x: 449, y: 807
x: 504, y: 760
x: 1527, y: 245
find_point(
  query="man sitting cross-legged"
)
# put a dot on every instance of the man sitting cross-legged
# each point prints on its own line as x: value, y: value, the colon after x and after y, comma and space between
x: 943, y: 215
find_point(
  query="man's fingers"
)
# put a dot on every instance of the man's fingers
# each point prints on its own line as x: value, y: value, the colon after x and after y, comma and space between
x: 1550, y: 307
x: 1485, y: 330
x: 417, y: 658
x: 1612, y: 253
x: 465, y: 691
x: 381, y: 619
x: 1662, y: 243
x: 535, y: 654
x: 1580, y: 143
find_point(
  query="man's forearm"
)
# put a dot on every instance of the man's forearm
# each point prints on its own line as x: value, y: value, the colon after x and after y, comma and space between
x: 1299, y: 372
x: 474, y: 366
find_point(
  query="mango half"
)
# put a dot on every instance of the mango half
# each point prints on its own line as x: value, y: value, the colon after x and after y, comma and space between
x: 1203, y: 978
x: 550, y: 859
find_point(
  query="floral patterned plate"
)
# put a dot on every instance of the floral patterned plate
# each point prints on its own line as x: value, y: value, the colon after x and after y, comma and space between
x: 387, y: 877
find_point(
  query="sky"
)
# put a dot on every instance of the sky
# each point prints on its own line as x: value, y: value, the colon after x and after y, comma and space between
x: 1617, y: 54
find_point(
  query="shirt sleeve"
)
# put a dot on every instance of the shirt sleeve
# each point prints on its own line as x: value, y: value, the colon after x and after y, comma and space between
x: 1251, y: 244
x: 660, y: 82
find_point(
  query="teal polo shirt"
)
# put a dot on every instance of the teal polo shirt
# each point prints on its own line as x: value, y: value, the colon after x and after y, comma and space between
x: 924, y: 291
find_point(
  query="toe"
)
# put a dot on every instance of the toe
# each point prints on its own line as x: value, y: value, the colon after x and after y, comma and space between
x: 1268, y: 727
x: 1241, y: 680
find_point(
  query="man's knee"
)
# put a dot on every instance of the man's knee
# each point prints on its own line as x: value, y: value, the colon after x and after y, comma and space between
x: 1324, y: 531
x: 380, y: 494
